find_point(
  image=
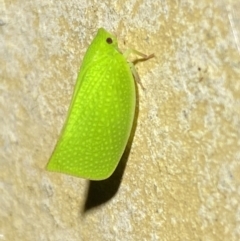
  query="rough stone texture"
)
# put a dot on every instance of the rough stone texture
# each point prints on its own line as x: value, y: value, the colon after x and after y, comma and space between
x: 182, y: 177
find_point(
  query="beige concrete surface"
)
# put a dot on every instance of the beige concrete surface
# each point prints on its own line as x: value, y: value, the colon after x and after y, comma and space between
x: 181, y: 180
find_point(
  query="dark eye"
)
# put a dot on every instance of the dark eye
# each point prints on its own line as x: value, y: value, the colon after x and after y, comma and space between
x: 109, y: 40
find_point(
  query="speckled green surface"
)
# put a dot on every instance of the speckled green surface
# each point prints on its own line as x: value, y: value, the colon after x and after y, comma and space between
x: 181, y: 180
x: 100, y: 116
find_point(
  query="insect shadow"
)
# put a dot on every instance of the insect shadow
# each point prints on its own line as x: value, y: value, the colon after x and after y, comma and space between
x: 100, y: 192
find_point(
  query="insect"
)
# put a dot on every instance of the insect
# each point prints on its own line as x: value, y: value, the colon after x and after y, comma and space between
x: 100, y: 115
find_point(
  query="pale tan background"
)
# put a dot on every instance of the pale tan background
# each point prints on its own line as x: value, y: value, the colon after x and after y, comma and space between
x: 182, y: 177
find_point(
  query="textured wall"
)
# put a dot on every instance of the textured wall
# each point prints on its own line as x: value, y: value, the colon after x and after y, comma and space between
x: 181, y: 180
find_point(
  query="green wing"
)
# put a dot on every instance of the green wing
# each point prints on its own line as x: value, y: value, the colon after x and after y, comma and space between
x: 101, y: 114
